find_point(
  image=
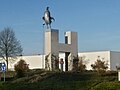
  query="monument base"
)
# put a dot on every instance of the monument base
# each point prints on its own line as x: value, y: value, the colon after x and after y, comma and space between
x: 53, y: 48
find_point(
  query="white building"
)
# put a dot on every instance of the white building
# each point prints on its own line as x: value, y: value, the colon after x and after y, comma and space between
x: 37, y: 61
x: 111, y: 57
x: 34, y: 61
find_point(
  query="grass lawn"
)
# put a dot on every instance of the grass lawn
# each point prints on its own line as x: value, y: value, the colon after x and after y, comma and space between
x: 64, y: 81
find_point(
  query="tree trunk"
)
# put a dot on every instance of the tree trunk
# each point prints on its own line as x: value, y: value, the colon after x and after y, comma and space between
x: 7, y: 64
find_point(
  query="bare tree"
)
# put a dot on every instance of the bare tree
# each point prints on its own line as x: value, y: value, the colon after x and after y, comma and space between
x: 55, y: 62
x: 47, y: 66
x: 9, y: 46
x: 82, y: 64
x: 79, y: 64
x: 75, y: 63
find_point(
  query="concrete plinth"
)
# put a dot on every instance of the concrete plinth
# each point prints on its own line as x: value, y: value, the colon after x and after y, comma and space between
x: 53, y: 47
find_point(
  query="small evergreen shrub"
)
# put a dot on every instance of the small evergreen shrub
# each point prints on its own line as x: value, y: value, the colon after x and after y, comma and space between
x: 21, y: 67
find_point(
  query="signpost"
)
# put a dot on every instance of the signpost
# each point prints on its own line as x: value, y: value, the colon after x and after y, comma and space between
x: 3, y: 68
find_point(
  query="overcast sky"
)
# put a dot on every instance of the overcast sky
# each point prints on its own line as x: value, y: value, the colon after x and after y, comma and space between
x: 96, y: 21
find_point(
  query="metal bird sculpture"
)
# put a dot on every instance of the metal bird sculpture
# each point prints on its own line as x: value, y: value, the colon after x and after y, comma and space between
x: 47, y: 18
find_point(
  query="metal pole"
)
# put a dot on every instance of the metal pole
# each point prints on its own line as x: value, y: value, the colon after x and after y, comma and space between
x: 4, y: 76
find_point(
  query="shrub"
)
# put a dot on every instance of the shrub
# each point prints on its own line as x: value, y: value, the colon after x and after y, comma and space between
x: 79, y: 64
x: 75, y: 63
x: 21, y: 67
x: 100, y: 66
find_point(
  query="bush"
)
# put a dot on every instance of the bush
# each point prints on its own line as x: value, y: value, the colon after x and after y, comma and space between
x: 100, y: 66
x: 21, y: 67
x: 75, y: 64
x: 79, y: 64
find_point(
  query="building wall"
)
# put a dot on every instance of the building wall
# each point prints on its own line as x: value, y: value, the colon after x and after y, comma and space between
x: 114, y: 59
x: 36, y: 61
x: 90, y: 57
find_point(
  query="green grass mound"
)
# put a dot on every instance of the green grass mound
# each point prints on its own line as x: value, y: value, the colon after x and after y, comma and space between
x: 113, y: 85
x: 44, y: 80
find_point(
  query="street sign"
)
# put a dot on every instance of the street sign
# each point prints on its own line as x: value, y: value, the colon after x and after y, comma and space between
x: 3, y: 67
